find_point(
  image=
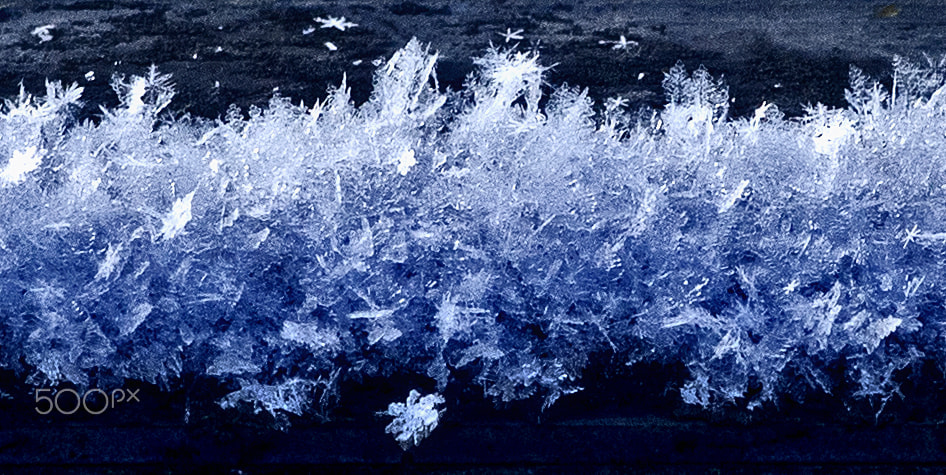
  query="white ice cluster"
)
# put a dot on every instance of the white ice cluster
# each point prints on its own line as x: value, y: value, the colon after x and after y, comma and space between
x: 415, y: 419
x: 477, y: 233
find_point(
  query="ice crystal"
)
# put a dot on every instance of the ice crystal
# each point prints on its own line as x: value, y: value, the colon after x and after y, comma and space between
x: 414, y: 420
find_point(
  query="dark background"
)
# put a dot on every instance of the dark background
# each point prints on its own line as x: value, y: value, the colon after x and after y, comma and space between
x: 788, y: 52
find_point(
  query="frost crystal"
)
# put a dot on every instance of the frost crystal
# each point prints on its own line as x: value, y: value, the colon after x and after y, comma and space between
x: 490, y: 236
x: 309, y: 334
x: 179, y: 216
x: 44, y: 33
x: 135, y: 95
x: 294, y: 396
x: 21, y: 163
x: 406, y: 161
x: 415, y: 420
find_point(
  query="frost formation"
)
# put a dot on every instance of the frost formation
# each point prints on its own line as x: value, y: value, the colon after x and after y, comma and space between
x: 415, y: 419
x: 477, y: 231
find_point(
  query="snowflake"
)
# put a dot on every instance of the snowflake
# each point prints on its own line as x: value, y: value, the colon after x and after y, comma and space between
x: 910, y: 236
x: 791, y: 286
x: 338, y: 23
x: 615, y: 103
x: 415, y: 420
x: 511, y: 35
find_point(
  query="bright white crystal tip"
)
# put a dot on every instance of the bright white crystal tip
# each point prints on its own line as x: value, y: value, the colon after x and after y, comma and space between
x: 20, y: 164
x: 178, y: 217
x: 406, y: 161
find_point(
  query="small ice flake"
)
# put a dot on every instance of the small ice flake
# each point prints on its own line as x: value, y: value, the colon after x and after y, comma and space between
x: 856, y: 320
x: 406, y: 161
x: 356, y: 62
x: 371, y: 314
x: 135, y: 95
x: 875, y: 332
x: 292, y: 396
x: 728, y: 344
x: 136, y: 318
x: 90, y: 76
x: 791, y: 286
x: 107, y: 266
x: 310, y: 335
x: 58, y: 226
x: 913, y: 285
x: 309, y: 30
x: 734, y: 196
x: 338, y: 23
x: 910, y: 236
x: 383, y: 332
x: 257, y: 238
x: 331, y: 46
x: 622, y: 43
x: 178, y: 217
x: 415, y: 420
x: 697, y: 291
x: 218, y: 49
x: 615, y: 103
x: 759, y: 116
x: 20, y: 164
x: 44, y: 32
x: 640, y: 76
x: 207, y: 136
x: 689, y: 315
x: 511, y: 35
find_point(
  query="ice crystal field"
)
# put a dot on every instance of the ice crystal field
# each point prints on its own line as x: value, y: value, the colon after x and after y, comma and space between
x: 501, y: 236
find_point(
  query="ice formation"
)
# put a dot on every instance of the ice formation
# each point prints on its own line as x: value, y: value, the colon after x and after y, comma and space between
x: 415, y: 419
x: 476, y: 230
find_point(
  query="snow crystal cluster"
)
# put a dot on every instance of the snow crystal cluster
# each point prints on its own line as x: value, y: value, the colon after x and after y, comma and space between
x: 478, y: 233
x: 415, y: 419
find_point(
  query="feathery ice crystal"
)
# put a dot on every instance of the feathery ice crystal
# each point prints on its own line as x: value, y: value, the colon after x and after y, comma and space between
x: 475, y: 230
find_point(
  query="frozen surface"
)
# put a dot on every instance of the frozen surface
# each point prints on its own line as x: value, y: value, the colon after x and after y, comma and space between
x: 479, y: 232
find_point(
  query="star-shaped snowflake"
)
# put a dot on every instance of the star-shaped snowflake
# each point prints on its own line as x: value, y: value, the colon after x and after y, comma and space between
x: 615, y: 103
x: 910, y: 236
x: 338, y: 23
x: 511, y: 35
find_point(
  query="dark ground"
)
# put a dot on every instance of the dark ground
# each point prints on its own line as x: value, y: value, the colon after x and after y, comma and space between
x: 790, y: 52
x: 785, y: 52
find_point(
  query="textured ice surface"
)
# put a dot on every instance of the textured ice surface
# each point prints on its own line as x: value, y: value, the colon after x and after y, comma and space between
x: 436, y: 231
